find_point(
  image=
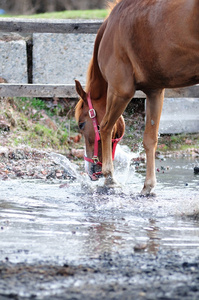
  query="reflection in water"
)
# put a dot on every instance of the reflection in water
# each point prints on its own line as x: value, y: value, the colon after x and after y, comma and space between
x: 41, y: 221
x: 102, y: 238
x: 154, y: 239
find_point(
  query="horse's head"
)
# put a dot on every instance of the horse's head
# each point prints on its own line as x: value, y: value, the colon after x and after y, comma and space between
x: 89, y: 115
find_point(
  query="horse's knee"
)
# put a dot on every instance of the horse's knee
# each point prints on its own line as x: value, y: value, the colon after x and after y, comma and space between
x: 105, y: 129
x: 149, y: 142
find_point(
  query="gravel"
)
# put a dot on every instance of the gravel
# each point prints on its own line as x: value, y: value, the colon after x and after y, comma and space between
x: 143, y: 276
x: 28, y: 163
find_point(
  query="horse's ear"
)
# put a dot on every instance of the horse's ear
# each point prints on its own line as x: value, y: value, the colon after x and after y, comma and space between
x: 80, y: 90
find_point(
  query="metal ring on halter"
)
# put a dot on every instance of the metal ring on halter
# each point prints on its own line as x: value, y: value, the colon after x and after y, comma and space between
x: 95, y: 159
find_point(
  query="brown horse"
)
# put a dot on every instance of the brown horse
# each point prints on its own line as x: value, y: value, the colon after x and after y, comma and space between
x: 89, y: 121
x: 146, y: 45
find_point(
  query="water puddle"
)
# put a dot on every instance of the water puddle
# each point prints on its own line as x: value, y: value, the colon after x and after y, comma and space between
x: 40, y: 221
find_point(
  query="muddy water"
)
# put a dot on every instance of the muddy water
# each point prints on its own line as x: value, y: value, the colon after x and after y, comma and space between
x: 75, y: 221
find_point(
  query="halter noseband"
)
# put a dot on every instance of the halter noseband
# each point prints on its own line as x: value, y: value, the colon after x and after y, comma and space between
x: 95, y: 159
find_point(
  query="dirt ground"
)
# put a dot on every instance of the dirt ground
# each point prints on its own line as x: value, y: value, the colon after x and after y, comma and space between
x: 167, y: 275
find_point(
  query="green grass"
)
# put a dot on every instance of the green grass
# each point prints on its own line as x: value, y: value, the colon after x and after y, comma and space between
x: 67, y: 14
x: 39, y: 123
x: 181, y: 141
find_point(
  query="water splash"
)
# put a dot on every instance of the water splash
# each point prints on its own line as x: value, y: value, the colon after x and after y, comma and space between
x: 72, y: 170
x: 64, y: 162
x: 123, y: 158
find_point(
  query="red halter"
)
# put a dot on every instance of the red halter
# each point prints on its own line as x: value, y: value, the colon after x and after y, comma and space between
x: 95, y: 159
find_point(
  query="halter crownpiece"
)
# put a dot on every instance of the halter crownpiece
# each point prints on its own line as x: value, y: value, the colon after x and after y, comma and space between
x: 95, y: 160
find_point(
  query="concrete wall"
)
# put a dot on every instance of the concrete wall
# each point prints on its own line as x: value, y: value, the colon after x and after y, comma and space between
x: 13, y: 58
x: 61, y: 58
x: 180, y: 115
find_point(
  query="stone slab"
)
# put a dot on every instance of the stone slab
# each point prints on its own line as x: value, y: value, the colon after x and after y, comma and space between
x: 61, y: 58
x: 180, y: 115
x: 13, y: 60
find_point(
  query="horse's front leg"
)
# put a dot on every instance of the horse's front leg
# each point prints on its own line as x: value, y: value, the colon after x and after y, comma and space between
x: 154, y: 105
x: 114, y: 108
x: 107, y: 163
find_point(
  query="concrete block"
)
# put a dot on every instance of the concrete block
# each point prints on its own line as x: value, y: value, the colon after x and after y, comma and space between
x: 180, y: 115
x: 13, y: 60
x: 61, y: 58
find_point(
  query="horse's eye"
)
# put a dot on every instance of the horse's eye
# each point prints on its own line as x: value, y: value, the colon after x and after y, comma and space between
x: 81, y: 125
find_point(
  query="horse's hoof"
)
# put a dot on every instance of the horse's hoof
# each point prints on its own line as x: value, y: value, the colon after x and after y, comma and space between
x: 146, y: 192
x: 111, y: 183
x: 109, y: 189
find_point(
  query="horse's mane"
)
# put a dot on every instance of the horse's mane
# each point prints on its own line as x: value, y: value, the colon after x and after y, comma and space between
x: 93, y: 69
x: 78, y: 109
x: 119, y: 128
x: 111, y: 5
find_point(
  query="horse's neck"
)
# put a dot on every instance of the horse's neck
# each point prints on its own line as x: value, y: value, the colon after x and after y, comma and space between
x: 96, y: 84
x: 195, y: 19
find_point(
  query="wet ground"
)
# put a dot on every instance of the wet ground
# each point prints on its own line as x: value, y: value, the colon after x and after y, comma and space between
x: 62, y: 239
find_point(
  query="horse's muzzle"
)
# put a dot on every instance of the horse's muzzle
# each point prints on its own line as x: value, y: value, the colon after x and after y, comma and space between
x: 93, y: 177
x: 95, y: 172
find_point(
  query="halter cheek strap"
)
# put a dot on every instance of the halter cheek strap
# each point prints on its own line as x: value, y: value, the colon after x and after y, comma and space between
x: 95, y: 159
x: 92, y: 115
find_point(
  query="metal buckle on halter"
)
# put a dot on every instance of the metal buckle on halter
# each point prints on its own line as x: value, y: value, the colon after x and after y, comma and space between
x: 95, y: 159
x: 92, y: 113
